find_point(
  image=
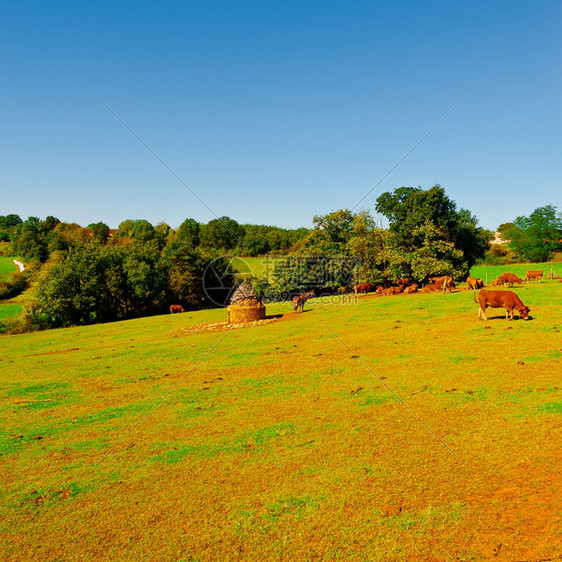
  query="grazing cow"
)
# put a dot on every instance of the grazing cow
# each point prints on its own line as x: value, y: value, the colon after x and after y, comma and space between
x: 500, y: 299
x: 534, y: 274
x: 403, y: 282
x: 471, y: 283
x: 497, y: 282
x: 299, y: 300
x: 438, y: 280
x: 176, y: 308
x: 362, y: 288
x: 509, y: 279
x: 411, y: 289
x: 448, y: 284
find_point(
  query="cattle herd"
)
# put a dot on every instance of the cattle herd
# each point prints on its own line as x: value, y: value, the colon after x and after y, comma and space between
x: 486, y: 298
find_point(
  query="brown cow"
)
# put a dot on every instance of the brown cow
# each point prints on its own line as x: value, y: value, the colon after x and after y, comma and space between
x: 439, y: 280
x: 448, y: 284
x: 411, y: 289
x: 497, y: 282
x: 300, y: 300
x: 534, y: 274
x: 362, y: 288
x: 471, y: 283
x: 479, y: 283
x: 389, y: 291
x: 501, y: 299
x: 509, y: 279
x: 176, y: 308
x: 431, y: 287
x: 402, y: 282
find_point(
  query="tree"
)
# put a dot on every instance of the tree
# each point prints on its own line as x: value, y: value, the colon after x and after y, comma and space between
x: 221, y: 234
x: 163, y: 233
x: 409, y: 208
x: 100, y: 232
x: 537, y: 237
x: 332, y: 232
x: 435, y: 255
x: 29, y: 242
x: 95, y: 283
x: 8, y: 225
x: 189, y: 233
x: 73, y: 292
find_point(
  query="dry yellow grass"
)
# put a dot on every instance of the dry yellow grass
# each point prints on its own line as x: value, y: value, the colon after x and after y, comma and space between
x: 399, y: 428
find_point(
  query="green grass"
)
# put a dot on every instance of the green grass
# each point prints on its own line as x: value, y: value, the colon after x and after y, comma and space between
x: 10, y: 310
x: 393, y: 428
x: 257, y: 267
x: 7, y: 266
x: 491, y: 272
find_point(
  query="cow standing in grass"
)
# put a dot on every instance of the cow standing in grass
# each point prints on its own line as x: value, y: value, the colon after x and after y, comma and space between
x: 448, y: 284
x: 472, y: 283
x: 509, y: 279
x: 300, y: 300
x: 362, y: 288
x: 534, y: 274
x: 501, y: 299
x: 176, y: 308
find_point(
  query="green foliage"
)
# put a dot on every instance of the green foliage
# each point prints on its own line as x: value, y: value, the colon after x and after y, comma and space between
x: 16, y: 284
x: 332, y: 233
x: 100, y: 232
x: 224, y: 233
x: 189, y: 233
x: 259, y: 240
x: 537, y: 237
x: 434, y: 255
x: 408, y: 209
x: 185, y: 267
x: 94, y: 283
x: 8, y: 225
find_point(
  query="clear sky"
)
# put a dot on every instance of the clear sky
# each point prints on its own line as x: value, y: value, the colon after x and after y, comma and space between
x: 273, y: 112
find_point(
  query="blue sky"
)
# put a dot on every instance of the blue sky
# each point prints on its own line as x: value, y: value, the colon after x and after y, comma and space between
x: 273, y: 112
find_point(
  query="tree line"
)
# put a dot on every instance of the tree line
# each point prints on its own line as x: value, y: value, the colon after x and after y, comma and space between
x: 427, y: 235
x: 84, y: 275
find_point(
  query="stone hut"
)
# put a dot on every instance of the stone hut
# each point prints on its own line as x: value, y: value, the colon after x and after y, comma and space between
x: 245, y: 305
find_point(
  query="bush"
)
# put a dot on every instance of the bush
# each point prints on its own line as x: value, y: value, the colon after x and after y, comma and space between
x: 16, y: 284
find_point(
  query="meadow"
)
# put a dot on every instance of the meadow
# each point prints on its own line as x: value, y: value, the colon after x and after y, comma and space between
x: 7, y: 266
x: 257, y: 267
x: 397, y: 428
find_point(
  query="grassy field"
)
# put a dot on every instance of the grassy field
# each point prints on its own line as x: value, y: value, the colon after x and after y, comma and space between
x: 397, y: 428
x: 7, y: 266
x: 491, y: 272
x: 10, y: 309
x: 254, y: 266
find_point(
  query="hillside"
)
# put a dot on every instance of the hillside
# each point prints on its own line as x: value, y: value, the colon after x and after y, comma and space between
x: 383, y: 428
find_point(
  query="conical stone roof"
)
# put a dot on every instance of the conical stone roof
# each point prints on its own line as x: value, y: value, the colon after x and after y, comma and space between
x: 245, y: 291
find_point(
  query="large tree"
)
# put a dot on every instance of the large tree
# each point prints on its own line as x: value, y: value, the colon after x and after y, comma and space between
x: 409, y: 208
x: 537, y: 237
x: 221, y: 234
